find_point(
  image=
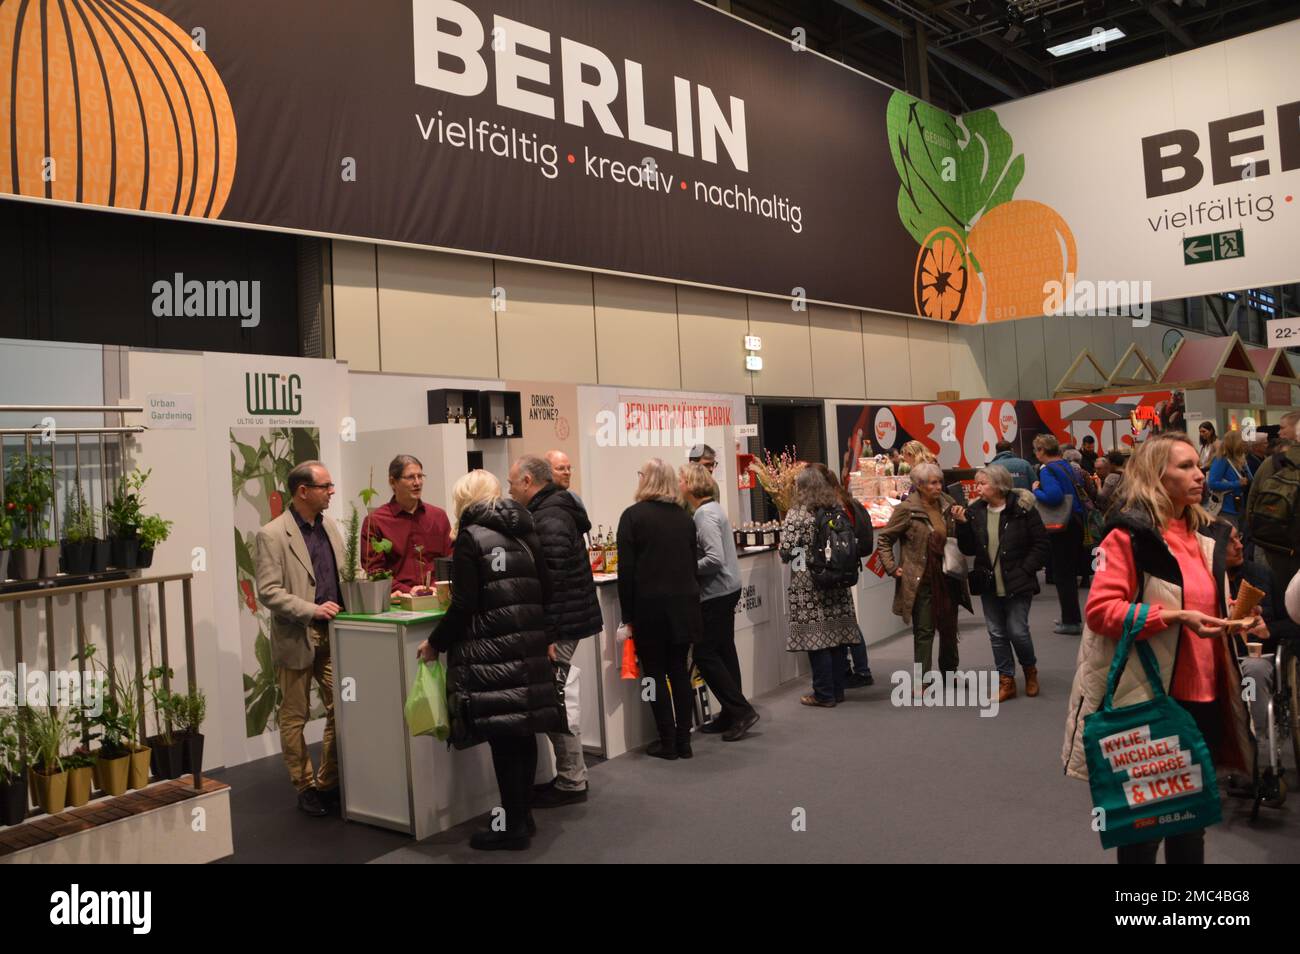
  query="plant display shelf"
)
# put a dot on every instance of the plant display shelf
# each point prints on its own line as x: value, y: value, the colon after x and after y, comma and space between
x: 97, y: 819
x: 53, y: 585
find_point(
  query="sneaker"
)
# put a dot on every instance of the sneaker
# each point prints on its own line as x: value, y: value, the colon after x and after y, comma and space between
x: 717, y: 726
x: 857, y: 681
x: 490, y: 840
x: 741, y: 728
x: 309, y: 802
x: 331, y: 798
x: 1071, y: 629
x: 553, y: 797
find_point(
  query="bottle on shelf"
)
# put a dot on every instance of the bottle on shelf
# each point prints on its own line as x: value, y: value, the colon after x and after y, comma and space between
x: 471, y: 422
x: 449, y: 413
x: 510, y: 427
x: 611, y: 553
x: 497, y: 427
x: 595, y: 552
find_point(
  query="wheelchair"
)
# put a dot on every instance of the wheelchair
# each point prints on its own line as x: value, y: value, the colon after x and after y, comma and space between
x: 1283, y: 729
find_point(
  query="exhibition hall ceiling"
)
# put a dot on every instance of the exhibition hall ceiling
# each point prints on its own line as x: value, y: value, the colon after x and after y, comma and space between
x: 985, y: 52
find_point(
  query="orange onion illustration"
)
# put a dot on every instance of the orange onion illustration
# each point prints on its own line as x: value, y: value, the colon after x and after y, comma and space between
x: 110, y: 103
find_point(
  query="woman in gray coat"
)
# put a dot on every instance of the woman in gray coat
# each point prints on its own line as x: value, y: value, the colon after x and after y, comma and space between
x: 821, y: 621
x: 718, y: 572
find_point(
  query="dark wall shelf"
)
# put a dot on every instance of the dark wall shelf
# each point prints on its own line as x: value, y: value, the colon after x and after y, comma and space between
x: 489, y: 408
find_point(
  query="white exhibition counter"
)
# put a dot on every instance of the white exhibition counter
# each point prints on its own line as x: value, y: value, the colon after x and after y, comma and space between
x: 420, y: 786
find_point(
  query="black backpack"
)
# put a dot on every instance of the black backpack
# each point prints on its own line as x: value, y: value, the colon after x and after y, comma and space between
x: 1274, y: 505
x: 833, y: 560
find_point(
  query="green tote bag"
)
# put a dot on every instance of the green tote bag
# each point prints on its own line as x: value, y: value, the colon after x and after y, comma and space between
x: 426, y: 704
x: 1151, y: 772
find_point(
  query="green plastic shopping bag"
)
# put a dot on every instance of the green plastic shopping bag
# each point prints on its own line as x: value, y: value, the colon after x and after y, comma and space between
x: 426, y: 704
x: 1150, y: 770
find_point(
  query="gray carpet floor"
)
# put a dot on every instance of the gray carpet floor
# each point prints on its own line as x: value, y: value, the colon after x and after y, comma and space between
x: 872, y: 783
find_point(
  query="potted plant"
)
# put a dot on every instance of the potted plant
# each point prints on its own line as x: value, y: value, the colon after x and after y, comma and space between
x: 191, y: 710
x: 167, y: 750
x: 362, y: 592
x: 78, y: 533
x: 48, y: 730
x: 128, y: 687
x: 124, y: 514
x: 13, y: 774
x: 113, y: 726
x: 80, y: 769
x: 101, y: 549
x: 6, y: 530
x: 153, y: 531
x: 29, y: 489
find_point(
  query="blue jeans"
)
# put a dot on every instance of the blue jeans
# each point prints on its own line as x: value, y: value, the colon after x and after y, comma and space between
x: 828, y: 673
x: 1008, y: 622
x: 858, y: 653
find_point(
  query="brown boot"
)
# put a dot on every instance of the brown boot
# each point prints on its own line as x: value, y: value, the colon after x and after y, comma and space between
x: 1031, y: 680
x: 1006, y: 688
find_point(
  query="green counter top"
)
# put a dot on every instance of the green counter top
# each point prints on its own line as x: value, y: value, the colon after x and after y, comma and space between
x: 395, y: 617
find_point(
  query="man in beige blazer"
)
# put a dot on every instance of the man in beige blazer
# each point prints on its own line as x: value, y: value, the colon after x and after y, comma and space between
x: 298, y: 558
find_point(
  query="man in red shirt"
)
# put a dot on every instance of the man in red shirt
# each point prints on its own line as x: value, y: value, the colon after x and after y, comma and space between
x: 406, y: 521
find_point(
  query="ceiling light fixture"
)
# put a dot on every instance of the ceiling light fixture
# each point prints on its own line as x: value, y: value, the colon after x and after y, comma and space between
x: 1086, y: 42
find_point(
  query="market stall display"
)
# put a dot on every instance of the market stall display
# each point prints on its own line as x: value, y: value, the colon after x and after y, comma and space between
x: 875, y: 485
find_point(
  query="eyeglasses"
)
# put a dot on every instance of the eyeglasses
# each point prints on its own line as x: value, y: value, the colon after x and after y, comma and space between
x: 329, y: 486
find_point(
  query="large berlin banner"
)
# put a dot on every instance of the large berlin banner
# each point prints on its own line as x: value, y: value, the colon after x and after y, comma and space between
x: 666, y: 140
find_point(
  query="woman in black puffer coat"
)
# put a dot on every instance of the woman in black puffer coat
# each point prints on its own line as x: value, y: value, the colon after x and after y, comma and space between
x: 500, y: 683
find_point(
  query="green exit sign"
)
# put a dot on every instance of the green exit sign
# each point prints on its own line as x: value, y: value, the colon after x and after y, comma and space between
x: 1215, y: 247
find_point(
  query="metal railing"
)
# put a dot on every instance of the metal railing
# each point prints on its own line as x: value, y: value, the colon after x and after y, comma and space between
x: 79, y: 592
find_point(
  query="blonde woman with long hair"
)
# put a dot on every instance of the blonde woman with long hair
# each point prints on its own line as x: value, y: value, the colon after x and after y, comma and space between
x: 1230, y: 476
x: 500, y: 684
x: 660, y: 599
x: 1157, y: 551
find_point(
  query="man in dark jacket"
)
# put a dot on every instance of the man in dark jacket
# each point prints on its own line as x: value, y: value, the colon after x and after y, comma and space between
x: 1022, y: 473
x: 1088, y: 453
x: 1278, y: 626
x: 572, y: 612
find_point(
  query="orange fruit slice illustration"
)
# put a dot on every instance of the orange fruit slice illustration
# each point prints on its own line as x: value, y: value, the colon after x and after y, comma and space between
x: 1021, y: 246
x: 945, y: 282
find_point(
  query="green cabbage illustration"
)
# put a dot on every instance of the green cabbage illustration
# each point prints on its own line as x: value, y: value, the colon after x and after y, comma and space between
x: 951, y: 171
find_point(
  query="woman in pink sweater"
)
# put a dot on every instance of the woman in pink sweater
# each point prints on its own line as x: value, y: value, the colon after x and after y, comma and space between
x: 1155, y: 553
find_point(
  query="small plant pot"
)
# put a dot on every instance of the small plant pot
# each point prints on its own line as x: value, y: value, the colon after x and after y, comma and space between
x: 369, y: 597
x: 193, y: 762
x: 112, y: 774
x: 13, y: 800
x: 126, y: 553
x: 166, y: 761
x: 79, y: 783
x: 77, y: 557
x: 51, y: 791
x: 137, y: 775
x: 25, y: 564
x: 146, y: 557
x: 4, y: 564
x: 101, y: 551
x: 49, y: 562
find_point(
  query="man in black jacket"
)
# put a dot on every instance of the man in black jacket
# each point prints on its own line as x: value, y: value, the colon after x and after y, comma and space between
x: 572, y: 612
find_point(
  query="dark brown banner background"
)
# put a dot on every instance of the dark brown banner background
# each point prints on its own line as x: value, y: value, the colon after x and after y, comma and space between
x: 312, y: 83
